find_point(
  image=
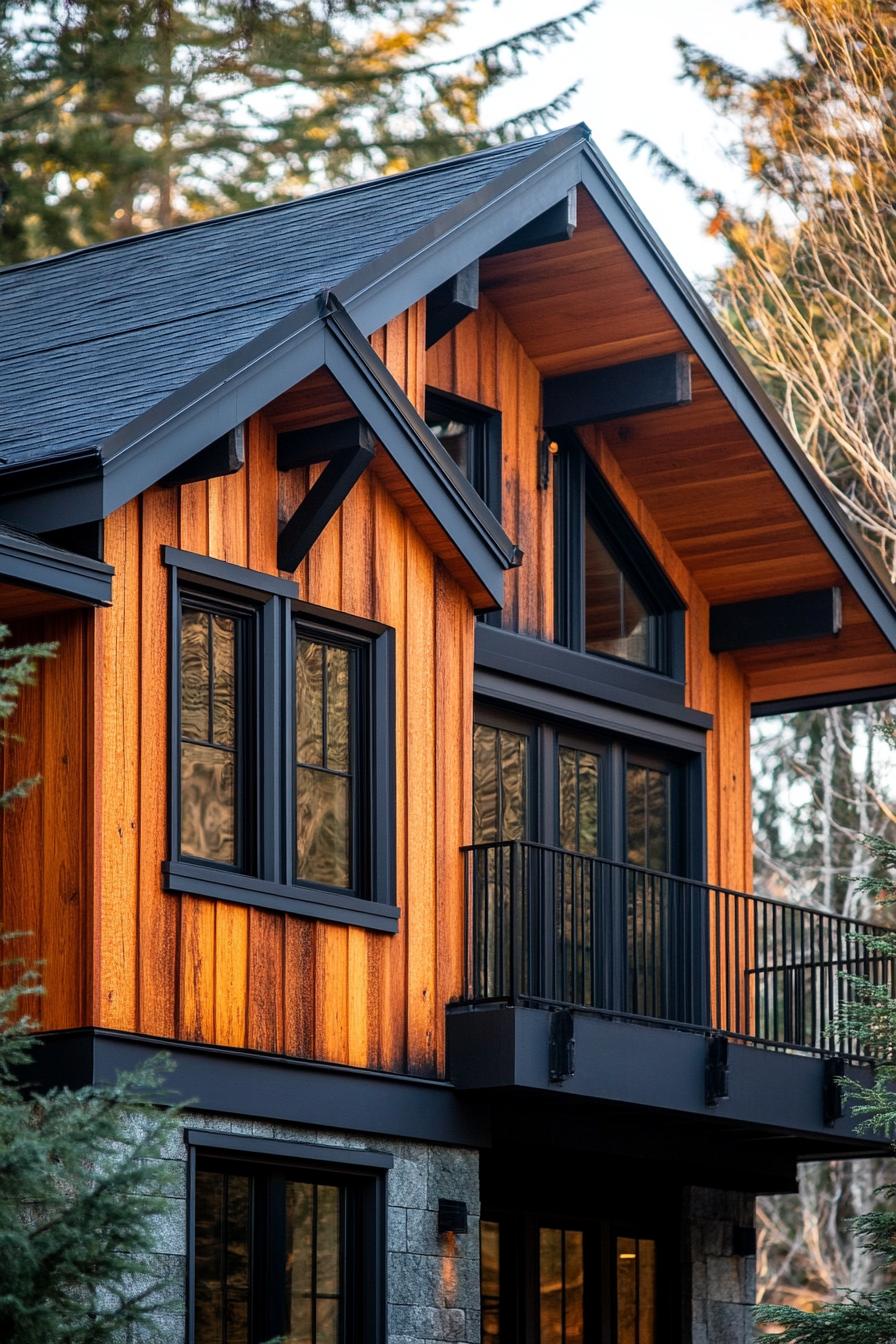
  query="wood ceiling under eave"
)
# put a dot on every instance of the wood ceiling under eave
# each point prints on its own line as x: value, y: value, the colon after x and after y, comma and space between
x: 585, y: 304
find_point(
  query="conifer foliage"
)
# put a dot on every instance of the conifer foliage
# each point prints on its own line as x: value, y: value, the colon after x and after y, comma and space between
x: 81, y: 1173
x: 118, y: 116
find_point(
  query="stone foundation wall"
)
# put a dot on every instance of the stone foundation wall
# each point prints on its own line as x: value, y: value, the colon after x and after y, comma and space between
x: 718, y: 1307
x: 433, y: 1279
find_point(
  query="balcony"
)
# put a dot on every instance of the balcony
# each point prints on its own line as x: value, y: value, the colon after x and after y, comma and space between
x: 614, y: 982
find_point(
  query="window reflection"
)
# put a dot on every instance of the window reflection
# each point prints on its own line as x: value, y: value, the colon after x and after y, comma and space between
x: 500, y: 777
x: 325, y: 771
x: 490, y: 1280
x: 209, y: 750
x: 223, y: 1209
x: 617, y: 622
x: 313, y: 1264
x: 561, y: 1286
x: 635, y: 1291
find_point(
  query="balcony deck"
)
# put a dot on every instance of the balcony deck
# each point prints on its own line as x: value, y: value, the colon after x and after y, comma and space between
x: 607, y: 981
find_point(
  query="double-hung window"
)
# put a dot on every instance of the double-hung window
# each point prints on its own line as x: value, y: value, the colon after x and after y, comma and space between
x: 282, y: 748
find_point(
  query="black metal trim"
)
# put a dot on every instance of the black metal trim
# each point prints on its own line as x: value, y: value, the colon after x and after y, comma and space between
x: 617, y: 391
x: 234, y: 578
x: 289, y: 1150
x: 31, y: 562
x: 763, y: 621
x: 306, y: 899
x: 259, y: 1086
x: 863, y: 695
x: 319, y: 443
x: 569, y: 683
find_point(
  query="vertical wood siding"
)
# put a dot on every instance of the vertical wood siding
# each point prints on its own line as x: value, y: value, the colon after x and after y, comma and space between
x: 45, y: 846
x: 207, y: 971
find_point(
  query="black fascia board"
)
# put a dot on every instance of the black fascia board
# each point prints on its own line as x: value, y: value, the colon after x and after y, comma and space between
x: 764, y: 621
x: 618, y: 390
x: 35, y: 563
x: 258, y: 1086
x: 749, y: 401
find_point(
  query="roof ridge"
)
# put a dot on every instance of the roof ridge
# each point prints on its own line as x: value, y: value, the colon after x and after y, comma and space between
x: 134, y: 238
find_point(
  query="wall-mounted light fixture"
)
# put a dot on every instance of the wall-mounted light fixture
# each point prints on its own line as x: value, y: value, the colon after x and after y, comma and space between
x: 452, y: 1215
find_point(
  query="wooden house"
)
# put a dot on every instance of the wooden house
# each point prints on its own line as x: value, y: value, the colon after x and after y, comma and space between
x: 417, y: 554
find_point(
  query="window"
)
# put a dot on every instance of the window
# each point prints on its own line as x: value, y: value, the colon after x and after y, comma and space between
x: 285, y: 1247
x: 214, y: 643
x: 282, y: 748
x: 490, y: 1280
x: 500, y: 784
x: 612, y: 597
x: 561, y: 1286
x: 471, y: 436
x: 635, y: 1291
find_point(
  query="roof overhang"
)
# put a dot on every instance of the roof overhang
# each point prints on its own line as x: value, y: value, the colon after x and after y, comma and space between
x: 28, y: 562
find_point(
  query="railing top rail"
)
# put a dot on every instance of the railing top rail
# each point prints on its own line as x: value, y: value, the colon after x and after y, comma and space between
x: 857, y: 925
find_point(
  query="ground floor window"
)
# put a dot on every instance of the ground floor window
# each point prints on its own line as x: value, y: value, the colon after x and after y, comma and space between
x: 551, y: 1284
x: 285, y: 1250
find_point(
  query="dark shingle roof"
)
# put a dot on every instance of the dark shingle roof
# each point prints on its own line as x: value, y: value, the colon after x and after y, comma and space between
x: 91, y: 339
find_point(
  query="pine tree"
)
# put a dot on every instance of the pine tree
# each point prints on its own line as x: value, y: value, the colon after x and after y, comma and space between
x: 80, y: 1177
x: 118, y: 116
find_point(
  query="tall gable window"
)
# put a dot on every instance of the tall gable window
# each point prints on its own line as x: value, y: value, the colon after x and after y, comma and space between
x: 471, y: 436
x: 282, y: 757
x: 612, y: 597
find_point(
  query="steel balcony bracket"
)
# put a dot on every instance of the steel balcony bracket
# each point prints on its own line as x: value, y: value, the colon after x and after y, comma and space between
x: 716, y: 1070
x: 561, y: 1046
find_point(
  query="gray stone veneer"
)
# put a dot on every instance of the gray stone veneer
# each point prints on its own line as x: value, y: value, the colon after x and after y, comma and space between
x: 433, y: 1280
x: 718, y: 1309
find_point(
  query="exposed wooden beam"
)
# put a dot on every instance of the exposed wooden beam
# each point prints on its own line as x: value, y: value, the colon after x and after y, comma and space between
x: 321, y: 443
x: 616, y: 391
x: 555, y: 225
x: 302, y: 530
x: 223, y: 457
x: 775, y: 620
x: 451, y: 302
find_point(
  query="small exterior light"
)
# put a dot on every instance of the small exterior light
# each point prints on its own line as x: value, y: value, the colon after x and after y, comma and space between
x: 452, y: 1215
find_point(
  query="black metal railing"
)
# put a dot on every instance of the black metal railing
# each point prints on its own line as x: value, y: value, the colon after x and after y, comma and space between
x: 547, y: 926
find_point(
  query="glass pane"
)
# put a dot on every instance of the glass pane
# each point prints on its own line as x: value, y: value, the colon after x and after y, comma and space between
x: 194, y: 674
x: 207, y: 803
x: 626, y: 1291
x: 657, y: 813
x: 323, y: 827
x: 485, y: 784
x: 646, y: 1292
x: 616, y: 620
x: 635, y: 817
x: 328, y: 1238
x: 513, y: 786
x: 490, y: 1280
x: 550, y: 1285
x: 299, y: 1263
x: 454, y: 437
x: 569, y: 831
x: 338, y: 714
x: 224, y: 655
x: 309, y: 702
x: 222, y: 1258
x: 589, y: 832
x: 561, y: 1286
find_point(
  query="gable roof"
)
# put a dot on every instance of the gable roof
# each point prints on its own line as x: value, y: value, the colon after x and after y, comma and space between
x: 166, y: 341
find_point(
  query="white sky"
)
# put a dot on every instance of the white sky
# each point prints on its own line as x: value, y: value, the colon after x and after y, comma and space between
x: 627, y: 63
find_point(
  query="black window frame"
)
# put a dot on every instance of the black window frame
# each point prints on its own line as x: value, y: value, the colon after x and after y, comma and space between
x: 267, y: 879
x: 360, y: 1173
x: 580, y: 493
x: 484, y: 474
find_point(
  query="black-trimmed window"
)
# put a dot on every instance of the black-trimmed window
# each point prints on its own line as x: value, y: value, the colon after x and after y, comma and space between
x: 471, y: 436
x: 612, y: 597
x: 287, y: 1242
x: 282, y: 757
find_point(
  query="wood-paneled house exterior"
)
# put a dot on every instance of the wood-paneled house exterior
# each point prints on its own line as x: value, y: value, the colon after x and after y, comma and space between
x: 417, y: 554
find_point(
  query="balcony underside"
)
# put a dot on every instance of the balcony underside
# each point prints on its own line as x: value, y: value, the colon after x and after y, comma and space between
x: 647, y: 1085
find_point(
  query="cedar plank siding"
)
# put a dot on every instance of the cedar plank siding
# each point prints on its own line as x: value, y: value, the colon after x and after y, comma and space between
x: 202, y: 970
